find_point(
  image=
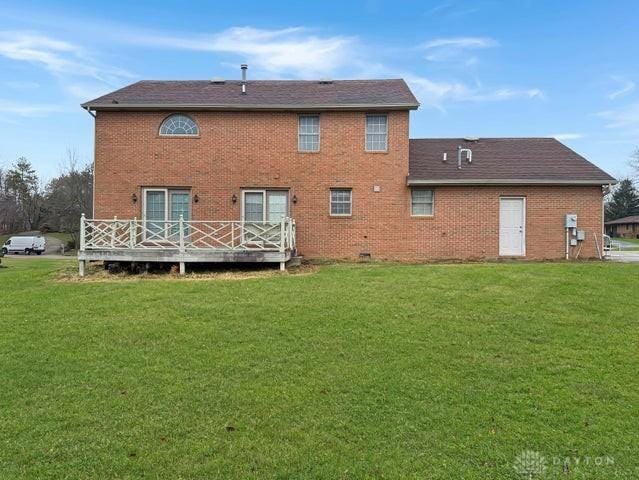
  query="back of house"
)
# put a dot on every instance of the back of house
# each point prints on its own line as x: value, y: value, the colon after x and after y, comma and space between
x: 333, y: 160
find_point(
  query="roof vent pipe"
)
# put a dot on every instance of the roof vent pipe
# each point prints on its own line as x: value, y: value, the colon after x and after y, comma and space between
x: 460, y: 152
x: 244, y: 67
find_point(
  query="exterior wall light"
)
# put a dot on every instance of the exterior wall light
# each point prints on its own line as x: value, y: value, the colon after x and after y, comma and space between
x: 234, y: 198
x: 196, y: 198
x: 294, y: 198
x: 134, y: 198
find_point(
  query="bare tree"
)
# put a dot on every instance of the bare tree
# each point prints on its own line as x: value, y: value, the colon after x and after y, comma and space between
x: 69, y: 195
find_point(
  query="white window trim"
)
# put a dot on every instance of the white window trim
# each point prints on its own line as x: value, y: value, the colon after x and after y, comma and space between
x: 167, y: 213
x: 179, y: 135
x: 366, y: 132
x: 319, y: 132
x: 330, y: 202
x: 411, y: 203
x: 264, y: 192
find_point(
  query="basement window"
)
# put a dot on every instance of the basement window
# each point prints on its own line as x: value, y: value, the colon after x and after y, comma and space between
x: 422, y: 200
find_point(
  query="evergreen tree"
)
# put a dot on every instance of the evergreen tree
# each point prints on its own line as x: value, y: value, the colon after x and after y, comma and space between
x: 624, y: 201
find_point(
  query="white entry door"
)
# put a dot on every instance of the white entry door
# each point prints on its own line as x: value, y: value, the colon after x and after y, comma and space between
x: 512, y: 226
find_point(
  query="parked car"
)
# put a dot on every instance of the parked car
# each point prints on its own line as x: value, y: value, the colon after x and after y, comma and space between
x: 26, y: 245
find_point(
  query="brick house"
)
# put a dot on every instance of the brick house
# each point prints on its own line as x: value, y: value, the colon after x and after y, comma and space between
x: 322, y: 168
x: 627, y: 227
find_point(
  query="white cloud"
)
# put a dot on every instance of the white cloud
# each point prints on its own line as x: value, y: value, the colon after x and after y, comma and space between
x: 567, y: 136
x: 451, y: 48
x: 292, y: 51
x: 461, y: 42
x: 64, y: 60
x: 438, y: 93
x: 625, y: 86
x: 626, y: 117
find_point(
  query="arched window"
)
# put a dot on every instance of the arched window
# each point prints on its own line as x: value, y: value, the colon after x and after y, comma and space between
x: 179, y: 124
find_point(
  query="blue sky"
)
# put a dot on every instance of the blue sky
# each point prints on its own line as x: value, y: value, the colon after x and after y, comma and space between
x: 482, y: 68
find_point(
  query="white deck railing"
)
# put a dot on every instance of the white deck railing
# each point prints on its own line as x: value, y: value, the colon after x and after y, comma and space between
x: 183, y: 235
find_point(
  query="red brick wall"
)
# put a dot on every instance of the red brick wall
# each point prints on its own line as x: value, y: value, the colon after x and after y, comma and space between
x: 237, y: 150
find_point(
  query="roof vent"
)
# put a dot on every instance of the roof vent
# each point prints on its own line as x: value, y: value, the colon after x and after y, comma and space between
x: 471, y: 139
x: 217, y: 81
x: 460, y: 152
x: 114, y: 101
x: 244, y: 68
x: 325, y: 81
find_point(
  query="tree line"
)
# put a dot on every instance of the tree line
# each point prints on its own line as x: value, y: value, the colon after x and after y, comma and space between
x: 28, y: 204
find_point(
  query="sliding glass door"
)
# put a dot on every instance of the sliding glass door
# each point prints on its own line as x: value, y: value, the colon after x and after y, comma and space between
x: 155, y: 214
x: 262, y: 212
x: 162, y: 210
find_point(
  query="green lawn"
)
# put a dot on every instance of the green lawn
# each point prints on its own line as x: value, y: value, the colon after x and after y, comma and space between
x: 353, y: 371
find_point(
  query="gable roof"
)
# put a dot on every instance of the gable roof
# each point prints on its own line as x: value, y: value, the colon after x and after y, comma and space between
x: 260, y: 95
x: 499, y: 161
x: 630, y: 219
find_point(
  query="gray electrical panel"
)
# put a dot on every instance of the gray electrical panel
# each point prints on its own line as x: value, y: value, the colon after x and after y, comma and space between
x: 581, y: 235
x: 571, y: 220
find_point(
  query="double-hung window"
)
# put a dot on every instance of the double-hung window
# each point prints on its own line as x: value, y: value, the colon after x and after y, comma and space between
x: 308, y: 133
x: 341, y: 201
x: 421, y: 202
x: 376, y: 133
x: 162, y: 210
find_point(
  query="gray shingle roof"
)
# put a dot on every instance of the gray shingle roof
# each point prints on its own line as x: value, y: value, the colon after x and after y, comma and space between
x: 501, y: 161
x: 260, y: 94
x: 620, y: 221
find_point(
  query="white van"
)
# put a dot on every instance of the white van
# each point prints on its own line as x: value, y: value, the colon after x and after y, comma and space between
x: 26, y: 245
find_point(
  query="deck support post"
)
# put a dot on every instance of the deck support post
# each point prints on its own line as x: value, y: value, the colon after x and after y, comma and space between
x: 182, y: 268
x: 282, y: 266
x: 82, y: 263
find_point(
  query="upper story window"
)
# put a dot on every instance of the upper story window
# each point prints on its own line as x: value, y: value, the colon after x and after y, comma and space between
x: 308, y: 133
x: 179, y: 124
x: 376, y: 133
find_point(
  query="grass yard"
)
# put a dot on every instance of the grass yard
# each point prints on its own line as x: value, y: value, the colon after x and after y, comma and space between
x: 353, y: 371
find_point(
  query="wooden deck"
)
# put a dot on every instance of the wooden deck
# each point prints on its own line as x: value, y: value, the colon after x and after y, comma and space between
x: 184, y: 241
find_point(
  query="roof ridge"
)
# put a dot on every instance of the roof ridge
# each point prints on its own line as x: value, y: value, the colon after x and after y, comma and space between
x: 484, y: 138
x: 299, y: 80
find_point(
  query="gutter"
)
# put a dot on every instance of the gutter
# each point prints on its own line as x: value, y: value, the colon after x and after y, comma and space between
x: 296, y: 107
x: 509, y: 181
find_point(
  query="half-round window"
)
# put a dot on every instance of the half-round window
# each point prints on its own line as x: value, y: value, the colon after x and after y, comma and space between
x: 179, y: 124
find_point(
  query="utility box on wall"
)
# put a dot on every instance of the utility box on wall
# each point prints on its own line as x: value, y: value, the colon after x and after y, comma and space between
x: 571, y: 220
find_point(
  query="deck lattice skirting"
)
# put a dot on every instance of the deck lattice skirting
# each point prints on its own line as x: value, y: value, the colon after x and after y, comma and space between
x: 183, y: 241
